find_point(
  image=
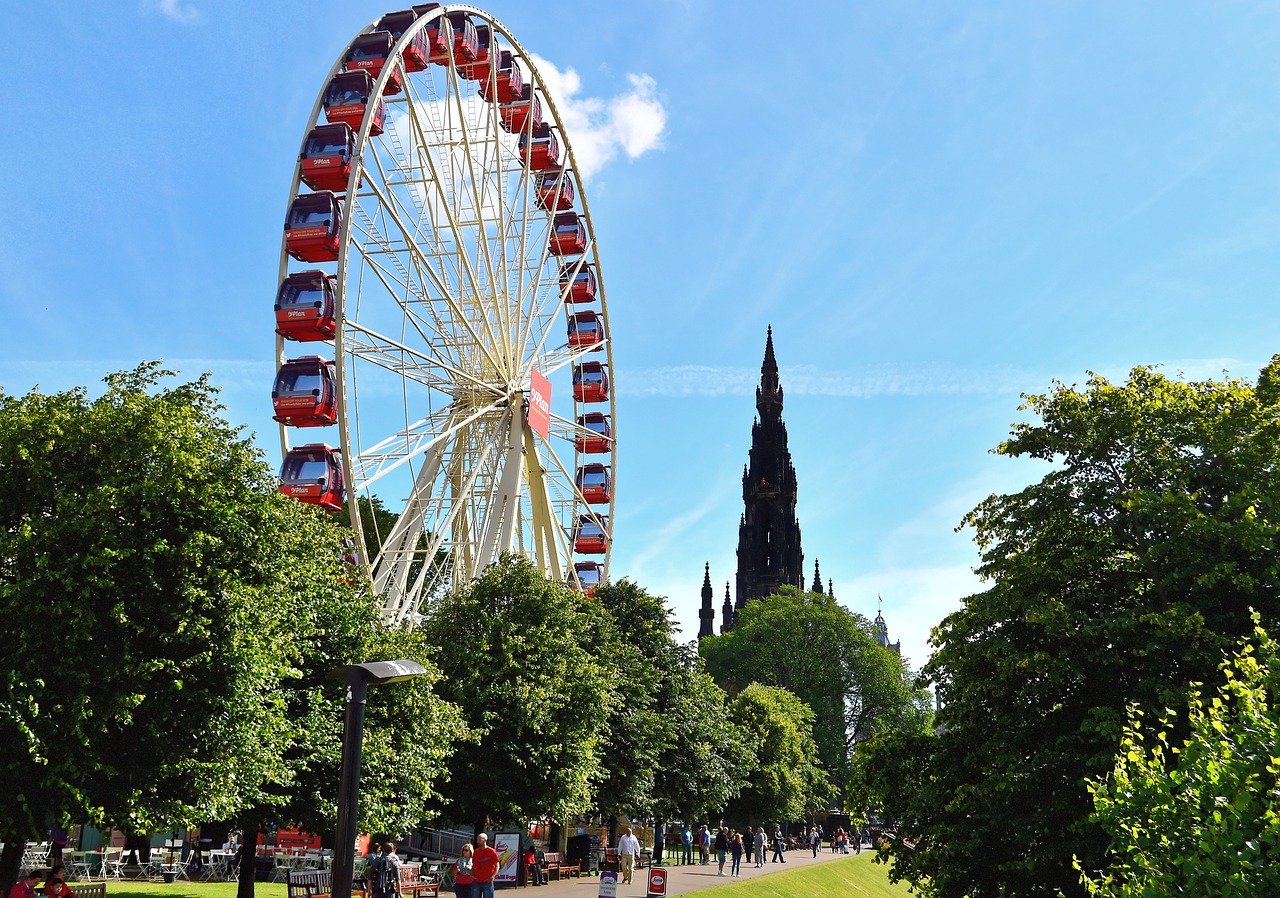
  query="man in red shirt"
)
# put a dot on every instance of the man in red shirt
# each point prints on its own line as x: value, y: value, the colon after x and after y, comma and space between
x: 26, y: 887
x: 484, y: 867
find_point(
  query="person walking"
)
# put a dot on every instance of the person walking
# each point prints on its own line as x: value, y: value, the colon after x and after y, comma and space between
x: 463, y: 885
x: 484, y: 867
x: 384, y: 872
x: 686, y: 843
x: 628, y: 854
x: 815, y: 839
x: 778, y: 844
x: 759, y: 840
x: 722, y: 848
x: 736, y: 850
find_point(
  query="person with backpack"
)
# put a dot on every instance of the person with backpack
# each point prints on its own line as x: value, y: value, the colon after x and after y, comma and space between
x: 384, y: 872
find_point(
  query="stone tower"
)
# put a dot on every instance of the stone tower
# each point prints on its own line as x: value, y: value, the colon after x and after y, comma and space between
x: 769, y: 552
x: 707, y: 614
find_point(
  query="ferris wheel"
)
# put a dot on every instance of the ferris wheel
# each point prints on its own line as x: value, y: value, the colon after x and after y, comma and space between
x: 455, y: 397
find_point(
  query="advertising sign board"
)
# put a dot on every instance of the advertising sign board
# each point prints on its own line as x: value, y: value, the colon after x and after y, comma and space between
x: 539, y: 404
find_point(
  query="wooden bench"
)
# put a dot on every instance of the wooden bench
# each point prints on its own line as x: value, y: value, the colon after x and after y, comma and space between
x: 412, y: 882
x: 89, y: 890
x: 315, y: 884
x: 562, y: 866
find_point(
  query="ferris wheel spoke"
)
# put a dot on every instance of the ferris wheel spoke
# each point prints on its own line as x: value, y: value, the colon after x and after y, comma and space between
x: 431, y: 329
x: 404, y: 446
x: 390, y: 355
x: 466, y: 268
x: 447, y: 295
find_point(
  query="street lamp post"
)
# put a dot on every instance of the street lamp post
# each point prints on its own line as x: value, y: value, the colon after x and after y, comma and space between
x: 359, y: 677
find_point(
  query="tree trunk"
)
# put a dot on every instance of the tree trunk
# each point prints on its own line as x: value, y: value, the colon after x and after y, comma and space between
x: 248, y: 860
x: 11, y: 860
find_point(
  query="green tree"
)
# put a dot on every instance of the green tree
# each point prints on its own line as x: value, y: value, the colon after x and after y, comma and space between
x: 827, y: 655
x: 635, y: 642
x: 699, y: 771
x: 148, y: 602
x: 410, y: 732
x: 782, y: 779
x: 1120, y: 577
x: 1201, y: 817
x: 516, y: 653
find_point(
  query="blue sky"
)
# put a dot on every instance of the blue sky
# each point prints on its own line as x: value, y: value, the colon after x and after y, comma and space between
x: 937, y: 206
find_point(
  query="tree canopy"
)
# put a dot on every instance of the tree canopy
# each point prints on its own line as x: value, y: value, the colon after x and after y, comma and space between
x: 167, y: 617
x: 1117, y: 579
x: 1199, y: 815
x: 824, y: 653
x: 517, y: 657
x: 782, y: 778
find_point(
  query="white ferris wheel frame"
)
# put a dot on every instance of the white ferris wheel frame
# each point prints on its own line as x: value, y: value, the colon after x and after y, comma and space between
x: 485, y: 483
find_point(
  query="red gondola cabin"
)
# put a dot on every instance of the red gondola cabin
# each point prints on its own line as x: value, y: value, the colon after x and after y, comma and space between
x: 505, y: 82
x: 590, y: 382
x: 305, y: 307
x: 478, y: 68
x: 415, y: 52
x: 305, y: 393
x: 591, y: 535
x: 313, y: 474
x: 326, y: 157
x: 554, y: 191
x: 568, y: 235
x: 464, y: 37
x: 577, y: 282
x: 518, y: 114
x: 594, y: 482
x: 369, y: 53
x: 586, y: 328
x: 540, y: 149
x: 594, y: 435
x: 347, y: 98
x: 439, y: 35
x: 311, y: 230
x: 587, y: 575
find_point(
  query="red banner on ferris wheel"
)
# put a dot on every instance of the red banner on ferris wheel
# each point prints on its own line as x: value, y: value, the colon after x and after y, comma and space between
x: 539, y: 404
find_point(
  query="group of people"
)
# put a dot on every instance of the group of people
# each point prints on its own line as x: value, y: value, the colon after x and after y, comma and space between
x: 55, y: 884
x: 473, y: 873
x: 731, y: 846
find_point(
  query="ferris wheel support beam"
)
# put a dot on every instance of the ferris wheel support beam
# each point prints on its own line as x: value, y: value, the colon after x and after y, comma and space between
x: 504, y: 503
x: 550, y: 551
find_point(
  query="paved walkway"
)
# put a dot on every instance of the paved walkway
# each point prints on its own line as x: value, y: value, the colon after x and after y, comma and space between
x: 680, y: 879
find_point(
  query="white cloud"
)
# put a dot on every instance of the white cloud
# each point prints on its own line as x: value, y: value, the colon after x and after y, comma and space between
x: 178, y: 10
x: 807, y: 380
x: 632, y: 122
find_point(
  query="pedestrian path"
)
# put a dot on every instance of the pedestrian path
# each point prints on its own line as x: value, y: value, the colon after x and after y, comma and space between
x: 680, y: 878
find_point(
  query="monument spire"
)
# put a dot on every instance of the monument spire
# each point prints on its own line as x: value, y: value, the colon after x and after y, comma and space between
x: 769, y: 553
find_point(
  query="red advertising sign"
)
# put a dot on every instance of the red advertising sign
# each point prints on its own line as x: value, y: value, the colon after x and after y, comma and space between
x: 539, y: 404
x: 657, y: 882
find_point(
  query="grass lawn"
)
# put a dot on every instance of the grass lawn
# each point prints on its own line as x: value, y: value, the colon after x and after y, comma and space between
x: 854, y: 877
x: 184, y: 889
